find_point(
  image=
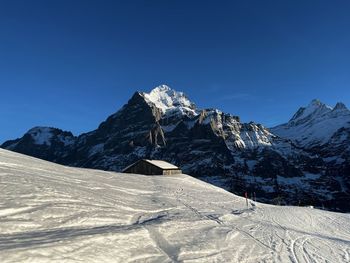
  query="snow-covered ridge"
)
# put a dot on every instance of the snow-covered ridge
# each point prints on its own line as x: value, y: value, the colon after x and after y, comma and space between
x: 314, y: 124
x: 236, y: 134
x: 318, y: 109
x: 41, y: 135
x: 45, y: 135
x: 167, y: 99
x: 50, y: 213
x: 172, y: 102
x: 315, y: 108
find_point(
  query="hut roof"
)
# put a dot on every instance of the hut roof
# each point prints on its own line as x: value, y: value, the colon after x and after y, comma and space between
x: 162, y: 164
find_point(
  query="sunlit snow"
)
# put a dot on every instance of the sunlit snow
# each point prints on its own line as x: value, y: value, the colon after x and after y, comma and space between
x: 54, y: 213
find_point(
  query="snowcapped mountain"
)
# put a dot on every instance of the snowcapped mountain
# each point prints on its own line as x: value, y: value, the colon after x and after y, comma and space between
x: 43, y: 142
x: 315, y: 124
x: 206, y: 143
x: 322, y: 130
x: 53, y: 213
x: 170, y: 101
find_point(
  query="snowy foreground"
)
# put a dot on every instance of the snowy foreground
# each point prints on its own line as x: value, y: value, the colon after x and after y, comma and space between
x: 54, y: 213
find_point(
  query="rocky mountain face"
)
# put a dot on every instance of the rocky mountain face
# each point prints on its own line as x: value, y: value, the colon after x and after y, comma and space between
x: 209, y: 144
x: 43, y: 142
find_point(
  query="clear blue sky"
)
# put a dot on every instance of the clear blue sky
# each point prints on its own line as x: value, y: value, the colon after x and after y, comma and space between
x: 70, y: 64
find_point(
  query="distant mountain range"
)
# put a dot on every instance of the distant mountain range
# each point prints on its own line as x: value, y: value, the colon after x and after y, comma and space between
x: 305, y: 161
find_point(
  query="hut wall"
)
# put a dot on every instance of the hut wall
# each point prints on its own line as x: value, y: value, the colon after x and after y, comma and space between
x: 173, y: 171
x: 144, y: 168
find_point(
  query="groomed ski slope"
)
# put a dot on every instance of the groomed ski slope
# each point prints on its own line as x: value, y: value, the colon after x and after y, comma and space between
x: 53, y: 213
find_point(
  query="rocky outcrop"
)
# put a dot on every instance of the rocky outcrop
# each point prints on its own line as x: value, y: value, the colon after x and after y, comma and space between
x: 47, y: 143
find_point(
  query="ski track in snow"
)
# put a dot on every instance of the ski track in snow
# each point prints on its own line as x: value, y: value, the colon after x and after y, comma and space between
x: 54, y: 213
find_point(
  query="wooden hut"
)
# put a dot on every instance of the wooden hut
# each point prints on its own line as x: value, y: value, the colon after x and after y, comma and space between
x: 152, y: 167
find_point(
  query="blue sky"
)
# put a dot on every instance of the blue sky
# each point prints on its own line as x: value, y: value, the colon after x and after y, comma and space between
x: 70, y: 64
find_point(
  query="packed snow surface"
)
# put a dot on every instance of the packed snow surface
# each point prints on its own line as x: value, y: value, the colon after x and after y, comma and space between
x: 54, y: 213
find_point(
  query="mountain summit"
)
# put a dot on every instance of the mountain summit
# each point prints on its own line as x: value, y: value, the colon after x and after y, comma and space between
x: 167, y: 99
x: 315, y: 124
x: 315, y: 109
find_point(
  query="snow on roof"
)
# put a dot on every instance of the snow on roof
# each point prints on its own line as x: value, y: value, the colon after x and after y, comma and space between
x: 162, y: 164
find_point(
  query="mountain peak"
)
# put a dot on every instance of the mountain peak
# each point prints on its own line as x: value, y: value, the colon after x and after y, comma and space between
x: 41, y: 135
x: 166, y: 98
x: 317, y: 105
x: 40, y: 129
x: 314, y: 124
x: 315, y: 108
x: 315, y: 102
x: 161, y: 88
x: 340, y: 106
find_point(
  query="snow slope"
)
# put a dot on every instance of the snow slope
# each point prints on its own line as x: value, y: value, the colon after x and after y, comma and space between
x: 49, y: 212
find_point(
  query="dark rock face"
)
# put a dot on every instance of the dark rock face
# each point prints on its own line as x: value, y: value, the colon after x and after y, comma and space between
x: 50, y: 144
x: 116, y: 141
x: 208, y: 144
